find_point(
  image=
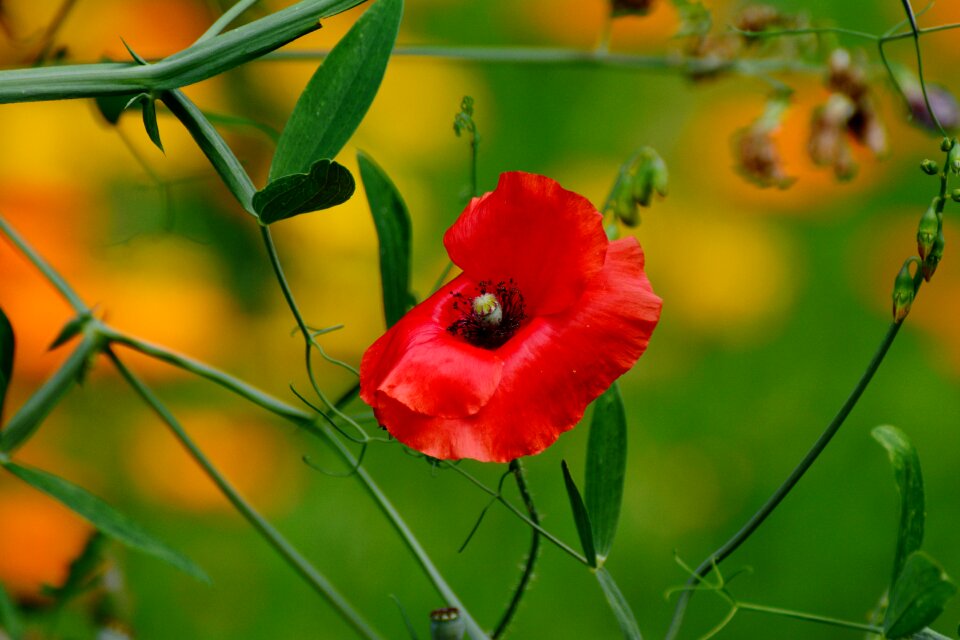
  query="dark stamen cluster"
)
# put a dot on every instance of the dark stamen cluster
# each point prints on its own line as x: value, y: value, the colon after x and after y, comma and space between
x: 478, y: 332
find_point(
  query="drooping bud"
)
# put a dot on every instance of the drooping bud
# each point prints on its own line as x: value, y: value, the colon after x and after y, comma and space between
x: 953, y: 159
x: 930, y: 223
x: 929, y: 167
x: 903, y: 292
x: 639, y: 178
x: 446, y: 624
x: 934, y: 257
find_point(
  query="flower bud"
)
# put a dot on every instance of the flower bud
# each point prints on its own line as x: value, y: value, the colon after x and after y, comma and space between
x: 446, y: 624
x: 929, y: 167
x: 934, y: 257
x: 946, y: 144
x: 641, y: 177
x: 953, y: 159
x: 955, y: 194
x: 927, y: 231
x: 903, y: 292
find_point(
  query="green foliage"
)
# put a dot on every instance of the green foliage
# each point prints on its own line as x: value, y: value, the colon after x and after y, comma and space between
x: 9, y: 616
x: 606, y: 468
x: 392, y: 220
x: 7, y: 348
x: 112, y: 107
x: 338, y: 95
x: 70, y: 330
x: 149, y: 108
x: 619, y: 605
x: 917, y: 597
x: 906, y: 468
x: 580, y: 516
x: 695, y: 18
x: 104, y: 517
x: 326, y: 185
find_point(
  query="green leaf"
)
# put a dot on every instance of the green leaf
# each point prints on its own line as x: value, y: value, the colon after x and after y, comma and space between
x: 27, y: 420
x: 917, y: 597
x: 929, y: 634
x: 9, y: 616
x: 326, y: 185
x: 104, y: 517
x: 392, y: 221
x: 112, y: 107
x: 339, y: 93
x: 618, y: 604
x: 7, y: 348
x: 906, y: 469
x: 606, y: 467
x: 70, y: 330
x: 580, y: 516
x: 150, y: 121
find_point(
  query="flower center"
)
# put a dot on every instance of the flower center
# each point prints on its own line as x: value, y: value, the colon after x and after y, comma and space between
x: 491, y: 317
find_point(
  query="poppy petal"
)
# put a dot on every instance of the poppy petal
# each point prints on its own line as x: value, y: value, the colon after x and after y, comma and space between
x: 548, y: 240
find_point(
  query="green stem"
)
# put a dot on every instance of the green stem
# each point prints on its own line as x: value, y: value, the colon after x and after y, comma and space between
x: 923, y: 85
x: 224, y: 21
x: 809, y: 617
x: 560, y: 544
x: 198, y: 62
x: 300, y: 564
x: 516, y: 467
x: 784, y: 489
x: 54, y: 278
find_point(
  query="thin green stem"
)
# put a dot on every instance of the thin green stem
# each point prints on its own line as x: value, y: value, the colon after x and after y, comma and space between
x: 776, y: 33
x: 784, y: 489
x: 495, y: 494
x: 293, y: 557
x: 54, y: 278
x: 923, y: 85
x: 224, y: 21
x: 809, y: 617
x: 516, y: 468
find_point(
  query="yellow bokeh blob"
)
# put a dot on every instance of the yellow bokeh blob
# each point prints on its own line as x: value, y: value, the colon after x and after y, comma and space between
x: 252, y: 456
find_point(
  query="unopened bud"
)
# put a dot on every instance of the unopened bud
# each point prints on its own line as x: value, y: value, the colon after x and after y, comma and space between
x: 946, y: 144
x: 955, y: 194
x: 929, y: 167
x: 927, y: 231
x: 446, y: 624
x: 644, y: 175
x: 934, y: 257
x: 953, y: 159
x: 903, y: 292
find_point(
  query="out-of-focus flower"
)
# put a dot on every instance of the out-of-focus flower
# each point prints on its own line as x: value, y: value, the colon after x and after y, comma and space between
x: 545, y: 316
x: 942, y: 101
x: 758, y: 159
x: 828, y: 145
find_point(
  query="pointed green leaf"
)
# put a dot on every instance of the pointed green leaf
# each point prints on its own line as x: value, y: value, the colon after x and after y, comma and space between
x: 104, y: 517
x: 150, y: 121
x: 70, y: 330
x: 906, y: 469
x: 27, y: 420
x: 606, y: 467
x: 7, y: 347
x: 917, y: 597
x: 339, y: 93
x: 9, y: 616
x: 392, y: 221
x: 112, y: 107
x: 580, y: 516
x: 618, y: 604
x: 326, y: 185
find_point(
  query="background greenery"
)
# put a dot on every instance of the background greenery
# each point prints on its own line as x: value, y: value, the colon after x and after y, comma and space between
x: 774, y: 302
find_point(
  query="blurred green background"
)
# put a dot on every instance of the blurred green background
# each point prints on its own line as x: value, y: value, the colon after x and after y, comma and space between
x: 773, y: 303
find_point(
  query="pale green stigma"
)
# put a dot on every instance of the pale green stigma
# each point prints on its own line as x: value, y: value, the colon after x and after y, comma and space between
x: 487, y: 308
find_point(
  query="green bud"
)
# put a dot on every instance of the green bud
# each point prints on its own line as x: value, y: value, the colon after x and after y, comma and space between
x: 929, y: 167
x: 446, y: 624
x: 934, y: 257
x: 640, y: 177
x: 927, y: 231
x: 625, y: 206
x: 953, y: 159
x: 955, y: 194
x: 903, y: 292
x: 946, y: 144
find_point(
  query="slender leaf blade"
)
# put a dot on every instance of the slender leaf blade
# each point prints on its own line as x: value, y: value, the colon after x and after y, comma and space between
x: 150, y: 121
x: 9, y: 616
x: 7, y: 348
x: 104, y: 517
x: 917, y: 597
x: 392, y: 221
x: 606, y: 467
x: 619, y: 606
x: 906, y: 469
x: 325, y: 185
x: 580, y: 516
x: 338, y: 95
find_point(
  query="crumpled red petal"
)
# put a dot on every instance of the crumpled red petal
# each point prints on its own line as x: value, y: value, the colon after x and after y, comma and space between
x: 550, y: 241
x: 552, y: 369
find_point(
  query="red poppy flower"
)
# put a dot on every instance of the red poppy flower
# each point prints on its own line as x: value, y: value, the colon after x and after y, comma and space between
x: 545, y: 316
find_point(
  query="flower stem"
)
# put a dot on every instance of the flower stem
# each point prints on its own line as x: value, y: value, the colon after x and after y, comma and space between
x: 809, y: 617
x: 516, y: 467
x: 923, y: 85
x: 771, y: 504
x: 302, y: 566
